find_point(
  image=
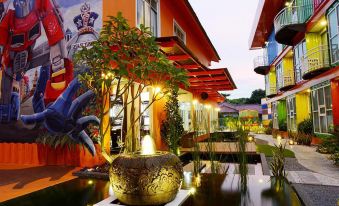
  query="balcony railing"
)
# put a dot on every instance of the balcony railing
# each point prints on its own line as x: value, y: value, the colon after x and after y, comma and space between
x: 261, y: 65
x: 271, y: 91
x: 291, y: 20
x: 315, y: 61
x: 288, y: 81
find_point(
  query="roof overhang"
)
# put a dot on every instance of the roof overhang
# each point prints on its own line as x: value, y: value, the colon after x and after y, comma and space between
x: 201, y: 78
x: 263, y: 22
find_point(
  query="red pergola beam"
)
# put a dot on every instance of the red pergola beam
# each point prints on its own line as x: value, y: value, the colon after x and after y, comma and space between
x: 167, y: 44
x: 209, y: 72
x: 189, y: 66
x: 201, y: 84
x: 201, y: 79
x: 179, y: 57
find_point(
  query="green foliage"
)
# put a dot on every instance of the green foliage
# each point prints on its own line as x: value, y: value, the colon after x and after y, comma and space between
x: 172, y: 128
x: 269, y: 129
x: 282, y: 125
x: 329, y: 146
x: 268, y: 151
x: 56, y: 141
x: 300, y: 138
x: 242, y: 135
x: 306, y: 126
x: 335, y: 158
x: 255, y: 98
x: 278, y: 162
x: 120, y: 58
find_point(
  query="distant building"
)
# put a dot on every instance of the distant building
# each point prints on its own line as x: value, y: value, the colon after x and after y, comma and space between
x: 232, y: 110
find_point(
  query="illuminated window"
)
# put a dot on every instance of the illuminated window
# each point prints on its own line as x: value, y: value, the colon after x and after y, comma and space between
x: 179, y: 32
x: 291, y: 113
x: 322, y: 108
x: 147, y: 14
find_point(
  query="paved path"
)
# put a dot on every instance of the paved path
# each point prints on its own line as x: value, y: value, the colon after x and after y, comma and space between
x: 18, y: 180
x: 323, y: 172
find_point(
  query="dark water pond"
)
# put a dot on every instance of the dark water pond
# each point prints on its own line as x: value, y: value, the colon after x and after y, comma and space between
x: 214, y: 190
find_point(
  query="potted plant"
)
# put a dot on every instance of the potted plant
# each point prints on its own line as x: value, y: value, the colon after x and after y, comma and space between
x: 283, y: 129
x: 306, y: 129
x: 125, y: 61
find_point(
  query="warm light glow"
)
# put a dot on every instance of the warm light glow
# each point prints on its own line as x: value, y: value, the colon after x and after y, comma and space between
x: 208, y: 106
x: 157, y: 90
x: 291, y: 142
x: 309, y: 90
x: 250, y: 138
x: 323, y: 22
x: 192, y: 191
x: 217, y: 109
x: 147, y: 146
x: 260, y: 180
x: 288, y: 4
x: 195, y: 101
x: 278, y: 137
x: 90, y: 182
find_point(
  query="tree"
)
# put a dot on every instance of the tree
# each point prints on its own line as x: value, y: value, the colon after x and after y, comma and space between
x: 256, y: 96
x: 172, y: 128
x: 124, y: 61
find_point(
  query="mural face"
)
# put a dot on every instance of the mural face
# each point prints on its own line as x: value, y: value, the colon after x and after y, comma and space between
x: 37, y: 44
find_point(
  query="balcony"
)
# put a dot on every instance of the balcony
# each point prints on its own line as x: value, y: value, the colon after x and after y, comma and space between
x: 290, y: 21
x: 271, y: 91
x: 261, y: 65
x: 315, y: 62
x: 287, y: 82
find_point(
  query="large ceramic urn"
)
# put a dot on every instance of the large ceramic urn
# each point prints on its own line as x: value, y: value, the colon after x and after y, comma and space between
x: 146, y: 178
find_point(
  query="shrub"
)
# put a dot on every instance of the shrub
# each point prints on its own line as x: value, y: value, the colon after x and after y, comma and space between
x: 335, y: 158
x: 278, y: 162
x: 304, y: 139
x: 269, y: 129
x: 329, y: 146
x: 306, y: 126
x: 282, y: 126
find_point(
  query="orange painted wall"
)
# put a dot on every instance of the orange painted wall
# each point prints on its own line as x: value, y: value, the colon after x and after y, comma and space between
x: 335, y: 101
x: 38, y: 154
x: 127, y: 7
x: 195, y: 39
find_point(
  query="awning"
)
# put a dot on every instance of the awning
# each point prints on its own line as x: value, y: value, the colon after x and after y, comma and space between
x: 201, y: 78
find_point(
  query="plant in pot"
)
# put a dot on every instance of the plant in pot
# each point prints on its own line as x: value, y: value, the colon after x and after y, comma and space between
x: 121, y: 64
x: 283, y: 129
x: 305, y: 129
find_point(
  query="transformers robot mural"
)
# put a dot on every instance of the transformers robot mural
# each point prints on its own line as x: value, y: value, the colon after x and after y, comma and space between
x: 21, y: 25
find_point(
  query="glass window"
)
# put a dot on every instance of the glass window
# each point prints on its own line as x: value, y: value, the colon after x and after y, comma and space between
x: 333, y: 19
x: 147, y: 14
x: 179, y: 32
x: 279, y: 71
x: 322, y: 108
x: 291, y: 114
x: 299, y: 52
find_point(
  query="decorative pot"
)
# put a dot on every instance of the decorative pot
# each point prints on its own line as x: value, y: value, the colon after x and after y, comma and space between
x: 146, y: 179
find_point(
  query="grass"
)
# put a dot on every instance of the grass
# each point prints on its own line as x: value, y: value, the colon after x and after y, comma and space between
x: 268, y: 151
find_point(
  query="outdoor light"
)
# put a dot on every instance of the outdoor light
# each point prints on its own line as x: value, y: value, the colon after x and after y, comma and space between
x: 157, y: 90
x: 288, y: 4
x: 192, y: 190
x: 90, y: 182
x: 291, y: 142
x: 260, y: 180
x: 195, y: 101
x: 208, y: 106
x: 250, y: 138
x: 147, y: 146
x: 323, y: 22
x: 278, y: 137
x: 217, y: 109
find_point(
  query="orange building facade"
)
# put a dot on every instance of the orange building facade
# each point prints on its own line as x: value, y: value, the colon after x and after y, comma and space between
x: 183, y: 39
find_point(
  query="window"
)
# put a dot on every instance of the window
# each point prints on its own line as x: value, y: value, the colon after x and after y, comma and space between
x: 291, y: 113
x: 147, y: 14
x: 322, y: 107
x: 333, y: 19
x: 179, y: 32
x: 299, y: 52
x: 275, y: 115
x: 279, y: 71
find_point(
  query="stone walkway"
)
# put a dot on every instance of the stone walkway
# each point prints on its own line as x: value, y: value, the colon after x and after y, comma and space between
x: 321, y: 170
